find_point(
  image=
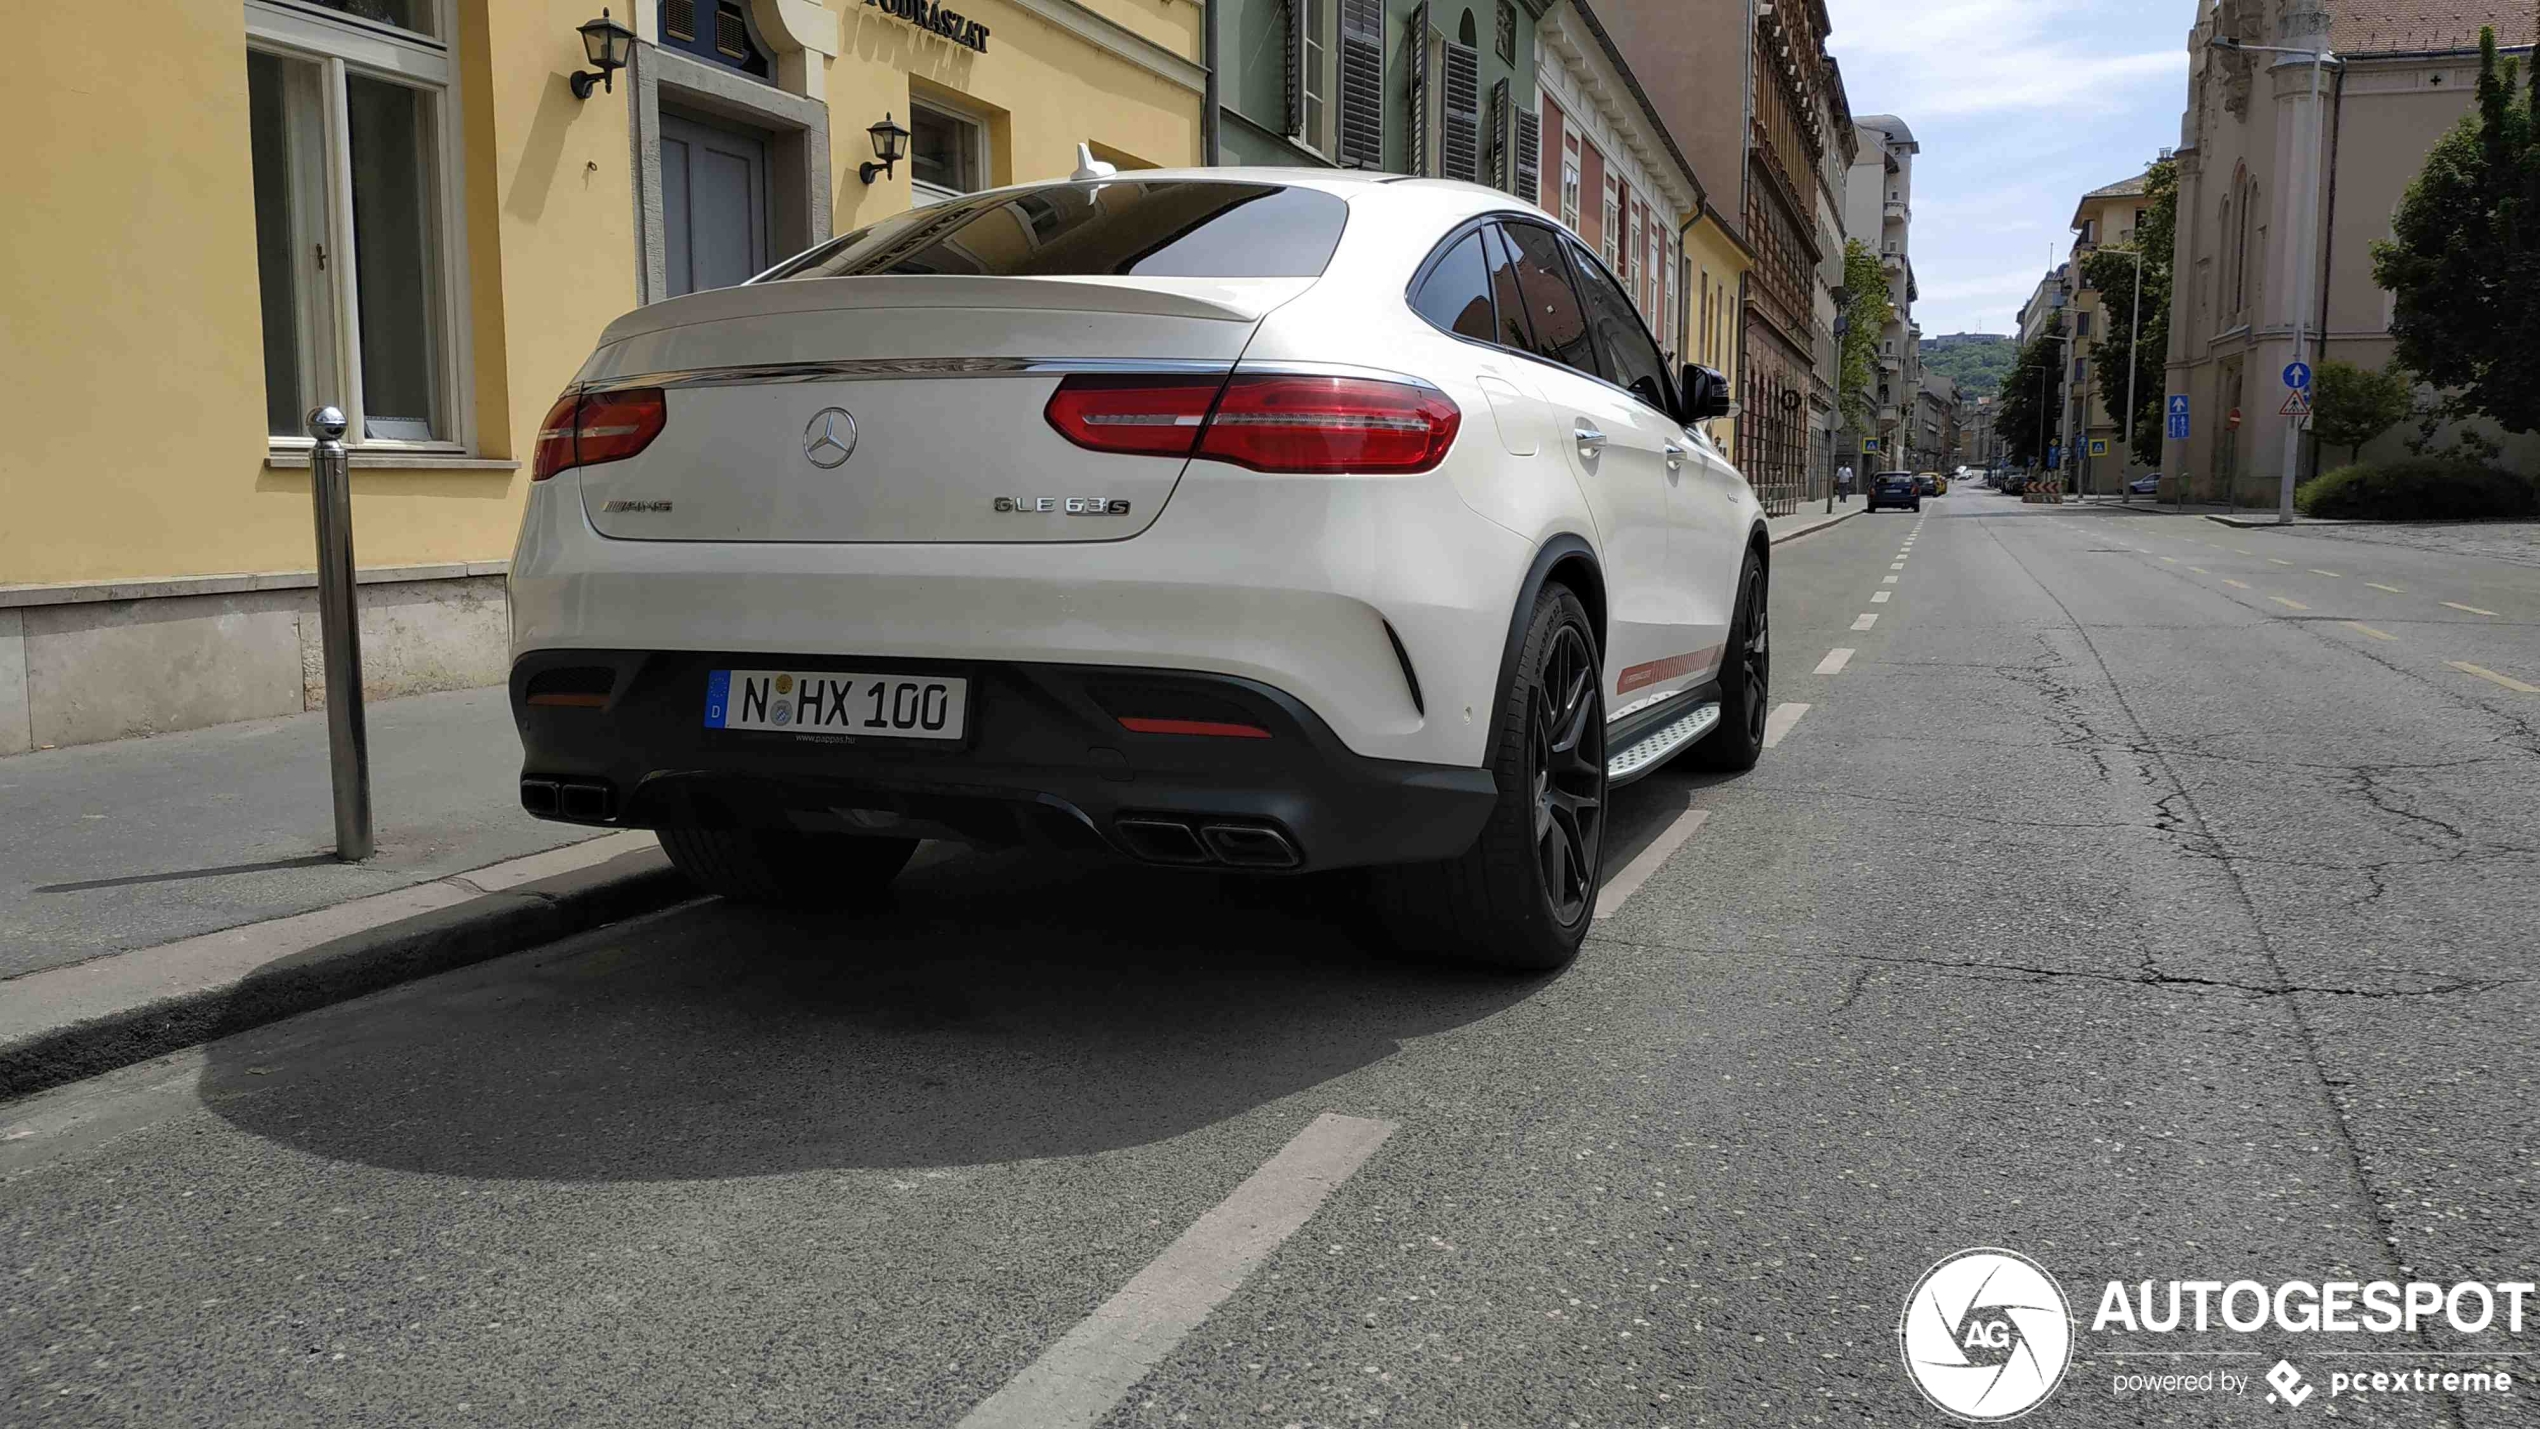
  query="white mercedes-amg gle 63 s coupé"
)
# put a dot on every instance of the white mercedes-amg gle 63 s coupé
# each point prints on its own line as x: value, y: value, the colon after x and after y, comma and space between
x: 1242, y: 519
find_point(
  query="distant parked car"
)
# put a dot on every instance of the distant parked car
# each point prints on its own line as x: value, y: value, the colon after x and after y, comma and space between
x: 1895, y: 488
x: 1927, y: 483
x: 2145, y: 485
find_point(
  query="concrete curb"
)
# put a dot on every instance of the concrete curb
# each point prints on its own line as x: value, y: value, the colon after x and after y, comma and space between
x: 64, y: 1024
x: 2268, y: 521
x: 1837, y: 519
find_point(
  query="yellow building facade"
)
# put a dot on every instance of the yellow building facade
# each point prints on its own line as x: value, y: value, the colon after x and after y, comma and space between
x: 226, y: 213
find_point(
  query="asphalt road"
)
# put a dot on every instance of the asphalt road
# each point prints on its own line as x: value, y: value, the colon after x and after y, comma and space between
x: 2151, y: 898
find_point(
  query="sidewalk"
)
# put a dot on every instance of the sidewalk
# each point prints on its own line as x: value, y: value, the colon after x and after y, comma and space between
x: 109, y: 847
x: 1810, y: 516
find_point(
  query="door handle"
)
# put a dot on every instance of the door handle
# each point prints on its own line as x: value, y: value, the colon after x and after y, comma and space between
x: 1591, y: 441
x: 1675, y: 456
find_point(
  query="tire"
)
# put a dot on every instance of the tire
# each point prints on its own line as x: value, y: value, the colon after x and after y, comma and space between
x: 783, y: 867
x: 1523, y: 896
x: 1746, y: 680
x: 1918, y: 503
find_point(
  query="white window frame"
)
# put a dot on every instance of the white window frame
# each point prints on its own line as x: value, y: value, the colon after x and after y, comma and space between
x: 928, y: 195
x: 341, y: 45
x: 1570, y: 176
x: 1318, y: 48
x: 1613, y: 211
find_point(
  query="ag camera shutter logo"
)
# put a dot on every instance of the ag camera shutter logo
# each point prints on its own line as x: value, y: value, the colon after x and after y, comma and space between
x: 1986, y: 1335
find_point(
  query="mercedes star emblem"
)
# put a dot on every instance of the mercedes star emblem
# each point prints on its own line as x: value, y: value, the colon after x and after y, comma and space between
x: 830, y: 439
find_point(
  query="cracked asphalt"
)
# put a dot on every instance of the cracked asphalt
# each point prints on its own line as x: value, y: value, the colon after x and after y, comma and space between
x: 2105, y: 907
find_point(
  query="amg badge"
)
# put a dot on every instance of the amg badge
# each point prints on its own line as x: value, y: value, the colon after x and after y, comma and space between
x: 1056, y: 505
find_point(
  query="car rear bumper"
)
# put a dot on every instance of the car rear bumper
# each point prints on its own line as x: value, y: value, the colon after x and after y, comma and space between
x: 1045, y: 760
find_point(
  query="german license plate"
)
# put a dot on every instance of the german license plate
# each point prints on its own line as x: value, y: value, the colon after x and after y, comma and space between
x: 829, y: 702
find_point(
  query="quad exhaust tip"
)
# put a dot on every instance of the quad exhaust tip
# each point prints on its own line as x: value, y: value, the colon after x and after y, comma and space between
x: 579, y: 800
x: 1174, y: 841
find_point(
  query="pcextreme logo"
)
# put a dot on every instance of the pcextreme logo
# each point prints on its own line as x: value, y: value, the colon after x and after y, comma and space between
x: 1986, y: 1335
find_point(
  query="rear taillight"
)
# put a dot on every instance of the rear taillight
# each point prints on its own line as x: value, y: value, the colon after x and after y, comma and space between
x: 1143, y: 416
x: 1267, y: 422
x: 599, y: 427
x: 1284, y: 423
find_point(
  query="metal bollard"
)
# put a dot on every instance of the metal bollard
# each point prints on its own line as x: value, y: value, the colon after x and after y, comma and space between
x: 347, y: 737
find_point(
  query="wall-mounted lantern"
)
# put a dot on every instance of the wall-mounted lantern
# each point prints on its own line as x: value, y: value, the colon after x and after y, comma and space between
x: 608, y: 44
x: 890, y: 145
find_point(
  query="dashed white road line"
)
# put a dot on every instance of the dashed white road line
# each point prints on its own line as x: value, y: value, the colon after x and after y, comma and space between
x: 2173, y: 560
x: 2314, y: 570
x: 1777, y: 725
x: 2474, y: 610
x: 2482, y: 672
x: 2368, y: 630
x: 2235, y: 585
x: 2274, y: 562
x: 1887, y: 580
x: 1635, y: 873
x: 2394, y: 590
x: 1083, y: 1377
x: 2288, y: 604
x: 1864, y: 622
x: 1879, y: 597
x: 2200, y: 570
x: 1835, y: 660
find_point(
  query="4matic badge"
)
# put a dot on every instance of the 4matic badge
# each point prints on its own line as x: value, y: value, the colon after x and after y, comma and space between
x: 1986, y: 1335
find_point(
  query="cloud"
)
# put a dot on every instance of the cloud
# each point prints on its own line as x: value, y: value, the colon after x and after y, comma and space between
x: 1995, y: 56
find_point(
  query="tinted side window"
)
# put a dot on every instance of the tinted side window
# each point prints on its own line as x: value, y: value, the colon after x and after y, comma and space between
x: 1560, y: 328
x: 1630, y: 360
x: 1513, y: 330
x: 1456, y: 294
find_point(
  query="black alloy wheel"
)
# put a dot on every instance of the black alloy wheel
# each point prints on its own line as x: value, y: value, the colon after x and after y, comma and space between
x: 1746, y: 679
x: 1565, y: 769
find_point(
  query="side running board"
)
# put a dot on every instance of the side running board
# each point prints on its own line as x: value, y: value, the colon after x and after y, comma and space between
x: 1661, y: 744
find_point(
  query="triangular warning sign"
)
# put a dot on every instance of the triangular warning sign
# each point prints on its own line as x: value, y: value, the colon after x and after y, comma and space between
x: 2297, y: 403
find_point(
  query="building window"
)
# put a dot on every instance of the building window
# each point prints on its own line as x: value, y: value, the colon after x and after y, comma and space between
x: 1318, y: 48
x: 1609, y: 237
x: 1506, y: 40
x: 1570, y: 178
x: 716, y: 31
x: 947, y: 154
x: 350, y: 133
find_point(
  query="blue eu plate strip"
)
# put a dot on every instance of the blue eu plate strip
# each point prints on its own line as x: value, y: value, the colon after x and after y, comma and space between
x: 718, y: 694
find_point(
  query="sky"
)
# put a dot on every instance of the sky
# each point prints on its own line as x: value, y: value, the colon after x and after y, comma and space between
x: 2021, y: 106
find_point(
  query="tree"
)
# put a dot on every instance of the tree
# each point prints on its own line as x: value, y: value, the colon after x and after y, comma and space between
x: 2111, y: 271
x: 2464, y: 257
x: 1866, y: 309
x: 2351, y: 405
x: 2032, y: 389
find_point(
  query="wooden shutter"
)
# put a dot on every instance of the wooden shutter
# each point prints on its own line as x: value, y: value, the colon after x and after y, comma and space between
x: 1362, y: 141
x: 1529, y: 184
x: 1416, y: 153
x: 1292, y: 15
x: 1460, y: 136
x: 1502, y: 145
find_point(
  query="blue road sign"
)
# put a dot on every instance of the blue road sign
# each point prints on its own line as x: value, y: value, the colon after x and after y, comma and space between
x: 2054, y: 456
x: 2178, y: 426
x: 2297, y: 375
x: 2178, y: 405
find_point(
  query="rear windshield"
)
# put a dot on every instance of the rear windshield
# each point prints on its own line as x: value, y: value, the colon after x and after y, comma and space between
x: 1166, y: 228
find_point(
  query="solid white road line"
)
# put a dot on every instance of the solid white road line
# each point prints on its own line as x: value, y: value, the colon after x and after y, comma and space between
x: 2474, y: 610
x: 1864, y: 622
x: 2482, y: 672
x: 1835, y: 660
x: 1778, y: 724
x: 1879, y: 597
x: 1635, y: 873
x: 1081, y: 1378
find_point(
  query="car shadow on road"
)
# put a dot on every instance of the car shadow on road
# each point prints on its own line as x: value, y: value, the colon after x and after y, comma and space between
x: 1002, y: 1007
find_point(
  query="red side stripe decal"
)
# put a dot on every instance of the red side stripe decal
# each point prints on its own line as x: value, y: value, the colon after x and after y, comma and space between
x: 1641, y: 676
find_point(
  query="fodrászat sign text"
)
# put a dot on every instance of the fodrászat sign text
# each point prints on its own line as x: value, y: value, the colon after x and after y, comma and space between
x: 925, y: 15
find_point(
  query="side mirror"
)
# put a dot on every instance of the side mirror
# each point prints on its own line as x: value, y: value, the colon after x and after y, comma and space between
x: 1706, y: 394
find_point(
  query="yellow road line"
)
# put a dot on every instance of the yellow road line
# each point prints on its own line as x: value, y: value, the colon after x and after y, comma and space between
x: 2474, y: 610
x: 2394, y: 590
x: 2368, y: 630
x: 2482, y: 672
x: 2288, y: 604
